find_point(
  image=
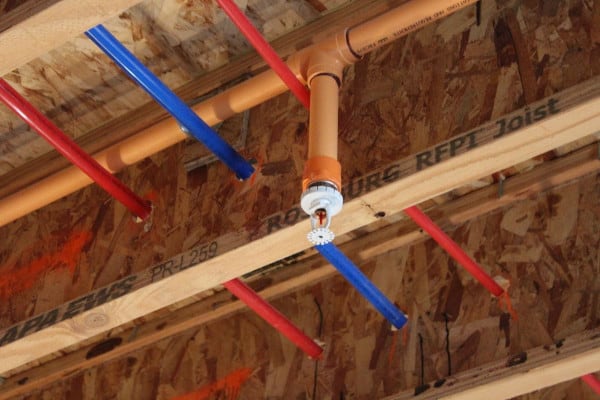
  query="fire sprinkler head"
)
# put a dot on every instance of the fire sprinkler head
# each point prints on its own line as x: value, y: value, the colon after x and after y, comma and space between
x: 320, y: 236
x: 321, y: 201
x: 321, y: 196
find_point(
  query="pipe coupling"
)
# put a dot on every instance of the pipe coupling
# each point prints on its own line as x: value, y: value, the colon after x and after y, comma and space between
x: 322, y: 169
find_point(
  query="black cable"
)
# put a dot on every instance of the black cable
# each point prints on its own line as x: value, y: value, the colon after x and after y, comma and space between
x: 422, y: 360
x: 423, y: 386
x: 448, y: 346
x: 320, y: 318
x: 314, y: 396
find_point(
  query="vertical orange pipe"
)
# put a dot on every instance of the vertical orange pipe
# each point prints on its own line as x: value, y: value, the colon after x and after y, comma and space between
x: 323, y: 124
x: 322, y: 164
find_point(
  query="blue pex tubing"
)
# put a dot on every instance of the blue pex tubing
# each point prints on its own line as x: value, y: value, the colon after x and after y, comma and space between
x: 362, y: 284
x: 184, y: 115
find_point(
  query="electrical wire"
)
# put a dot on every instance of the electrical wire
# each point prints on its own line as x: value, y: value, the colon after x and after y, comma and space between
x: 448, y: 345
x: 422, y: 356
x: 320, y: 332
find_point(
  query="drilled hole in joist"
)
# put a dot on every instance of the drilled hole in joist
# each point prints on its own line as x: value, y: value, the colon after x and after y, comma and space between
x: 103, y: 347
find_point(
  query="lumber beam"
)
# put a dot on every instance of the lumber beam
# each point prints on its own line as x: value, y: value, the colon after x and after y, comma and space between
x: 304, y: 272
x: 11, y: 15
x: 517, y: 137
x: 521, y: 373
x: 34, y: 29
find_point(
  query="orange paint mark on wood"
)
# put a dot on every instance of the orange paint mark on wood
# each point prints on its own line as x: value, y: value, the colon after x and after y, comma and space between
x: 25, y: 277
x: 231, y: 385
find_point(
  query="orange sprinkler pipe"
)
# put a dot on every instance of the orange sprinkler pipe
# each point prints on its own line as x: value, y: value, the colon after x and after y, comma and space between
x: 323, y: 101
x: 454, y: 250
x: 322, y: 164
x: 592, y: 382
x: 274, y: 317
x: 347, y: 46
x: 71, y: 151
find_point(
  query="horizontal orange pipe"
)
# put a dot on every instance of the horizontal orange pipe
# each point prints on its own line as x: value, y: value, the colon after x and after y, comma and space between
x: 323, y: 164
x: 143, y: 144
x: 345, y: 47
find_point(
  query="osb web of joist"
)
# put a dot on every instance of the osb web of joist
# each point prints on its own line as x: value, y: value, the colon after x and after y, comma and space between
x: 457, y: 80
x: 547, y: 246
x: 79, y: 88
x: 460, y: 76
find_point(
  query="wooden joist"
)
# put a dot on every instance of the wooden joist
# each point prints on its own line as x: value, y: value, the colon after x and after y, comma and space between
x: 305, y: 272
x: 521, y: 373
x: 550, y: 123
x: 41, y: 30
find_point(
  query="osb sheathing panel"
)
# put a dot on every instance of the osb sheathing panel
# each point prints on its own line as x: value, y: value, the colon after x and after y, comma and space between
x: 547, y: 246
x: 439, y: 82
x: 79, y: 88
